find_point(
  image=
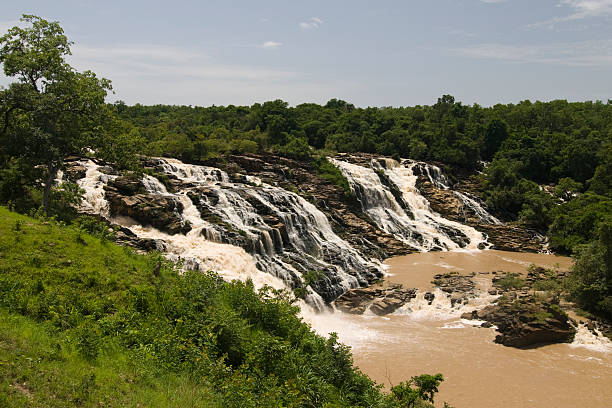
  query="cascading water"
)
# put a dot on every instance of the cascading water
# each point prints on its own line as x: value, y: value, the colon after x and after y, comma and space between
x: 591, y: 339
x: 472, y: 204
x: 438, y: 179
x: 240, y: 230
x: 410, y: 219
x: 441, y: 307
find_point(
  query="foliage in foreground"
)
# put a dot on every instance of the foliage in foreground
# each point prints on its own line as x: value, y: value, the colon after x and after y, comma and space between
x: 84, y: 321
x: 590, y: 282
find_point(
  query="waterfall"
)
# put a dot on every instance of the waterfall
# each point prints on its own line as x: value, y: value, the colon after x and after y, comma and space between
x: 249, y: 229
x: 592, y: 340
x: 93, y: 184
x: 472, y: 204
x: 399, y: 209
x: 438, y: 179
x: 256, y: 231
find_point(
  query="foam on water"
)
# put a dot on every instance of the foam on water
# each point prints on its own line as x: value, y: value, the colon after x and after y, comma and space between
x: 355, y: 331
x: 441, y: 308
x: 410, y: 219
x: 592, y: 341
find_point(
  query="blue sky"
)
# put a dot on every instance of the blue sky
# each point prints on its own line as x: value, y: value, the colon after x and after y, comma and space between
x: 370, y: 53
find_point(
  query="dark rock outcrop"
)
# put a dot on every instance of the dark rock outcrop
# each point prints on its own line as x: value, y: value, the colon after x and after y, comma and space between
x: 522, y: 321
x: 460, y: 287
x: 126, y: 198
x: 503, y: 236
x: 126, y: 237
x: 381, y: 301
x: 75, y: 171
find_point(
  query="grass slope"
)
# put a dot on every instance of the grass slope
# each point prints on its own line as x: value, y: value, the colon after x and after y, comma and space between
x: 84, y: 322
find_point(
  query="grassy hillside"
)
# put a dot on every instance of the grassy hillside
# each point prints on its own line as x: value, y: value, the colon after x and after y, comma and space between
x: 84, y: 322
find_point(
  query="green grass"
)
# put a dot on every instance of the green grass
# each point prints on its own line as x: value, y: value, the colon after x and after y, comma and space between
x: 85, y: 322
x: 40, y: 367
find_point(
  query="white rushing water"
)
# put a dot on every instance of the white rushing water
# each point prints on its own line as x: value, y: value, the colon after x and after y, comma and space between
x: 592, y: 340
x: 263, y: 233
x: 411, y: 220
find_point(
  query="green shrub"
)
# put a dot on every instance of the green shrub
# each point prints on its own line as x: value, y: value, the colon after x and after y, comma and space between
x: 510, y: 281
x: 105, y: 302
x: 331, y: 173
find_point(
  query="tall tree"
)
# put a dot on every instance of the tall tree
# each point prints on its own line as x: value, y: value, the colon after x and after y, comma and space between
x: 51, y: 111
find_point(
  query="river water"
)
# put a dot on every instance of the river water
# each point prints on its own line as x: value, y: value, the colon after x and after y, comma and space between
x: 477, y: 372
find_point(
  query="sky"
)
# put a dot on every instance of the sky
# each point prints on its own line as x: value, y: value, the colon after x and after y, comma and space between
x: 369, y: 53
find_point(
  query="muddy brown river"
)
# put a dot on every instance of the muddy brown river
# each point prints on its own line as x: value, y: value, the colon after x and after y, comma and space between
x: 421, y: 338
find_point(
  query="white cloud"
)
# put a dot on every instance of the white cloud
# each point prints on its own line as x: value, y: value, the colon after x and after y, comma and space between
x: 270, y: 45
x: 313, y: 22
x: 583, y: 53
x: 153, y: 74
x: 580, y: 10
x: 587, y: 8
x: 165, y: 64
x: 163, y: 74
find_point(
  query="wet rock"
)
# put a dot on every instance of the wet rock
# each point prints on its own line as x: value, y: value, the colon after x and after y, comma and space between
x: 162, y: 212
x: 512, y: 238
x: 380, y: 301
x: 75, y: 171
x: 126, y: 186
x: 126, y: 237
x: 342, y: 210
x: 385, y: 306
x: 454, y: 283
x: 457, y: 298
x: 524, y: 322
x: 503, y: 237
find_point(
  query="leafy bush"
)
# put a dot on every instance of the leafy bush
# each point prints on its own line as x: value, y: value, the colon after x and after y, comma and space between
x: 295, y: 148
x: 331, y: 173
x: 590, y: 281
x: 421, y: 388
x: 510, y: 281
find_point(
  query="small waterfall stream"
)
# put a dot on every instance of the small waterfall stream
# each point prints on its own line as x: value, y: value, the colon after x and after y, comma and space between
x: 406, y: 215
x: 437, y: 178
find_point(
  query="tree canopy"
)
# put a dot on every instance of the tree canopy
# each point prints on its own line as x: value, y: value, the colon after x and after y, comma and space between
x: 51, y: 111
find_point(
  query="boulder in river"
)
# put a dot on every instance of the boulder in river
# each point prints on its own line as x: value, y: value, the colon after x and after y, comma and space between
x: 126, y: 197
x: 523, y: 321
x: 381, y: 301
